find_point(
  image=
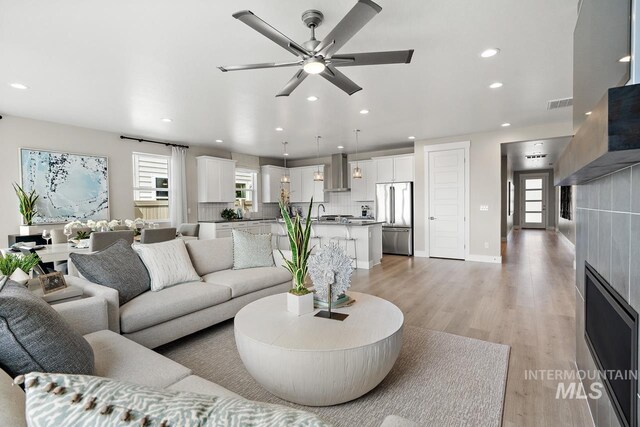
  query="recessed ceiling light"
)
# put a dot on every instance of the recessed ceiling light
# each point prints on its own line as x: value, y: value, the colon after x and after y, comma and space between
x: 625, y: 59
x: 218, y: 140
x: 312, y: 98
x: 505, y: 125
x: 364, y: 111
x: 279, y: 129
x: 495, y: 85
x: 490, y: 52
x: 166, y: 119
x: 412, y: 137
x: 286, y: 154
x: 18, y: 86
x: 588, y: 113
x: 538, y: 144
x: 340, y: 147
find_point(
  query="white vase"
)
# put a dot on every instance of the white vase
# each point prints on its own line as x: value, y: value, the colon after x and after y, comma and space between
x: 29, y: 230
x: 300, y: 305
x: 19, y: 276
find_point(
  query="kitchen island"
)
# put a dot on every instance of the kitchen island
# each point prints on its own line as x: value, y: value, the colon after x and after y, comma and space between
x: 367, y: 246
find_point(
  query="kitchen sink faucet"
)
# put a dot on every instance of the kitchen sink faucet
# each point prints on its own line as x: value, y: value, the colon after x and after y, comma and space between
x: 323, y: 211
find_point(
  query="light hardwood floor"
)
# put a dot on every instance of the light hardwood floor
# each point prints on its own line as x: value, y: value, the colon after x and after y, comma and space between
x: 528, y: 302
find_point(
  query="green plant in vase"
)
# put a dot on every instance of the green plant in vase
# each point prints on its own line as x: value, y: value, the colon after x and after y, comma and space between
x: 11, y: 263
x: 27, y: 203
x: 299, y: 237
x: 228, y: 214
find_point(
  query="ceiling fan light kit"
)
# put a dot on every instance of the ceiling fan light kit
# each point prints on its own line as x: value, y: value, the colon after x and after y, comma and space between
x: 321, y: 57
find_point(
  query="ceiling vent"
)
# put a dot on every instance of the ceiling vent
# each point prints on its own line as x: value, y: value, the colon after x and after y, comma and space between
x: 535, y: 156
x: 559, y: 103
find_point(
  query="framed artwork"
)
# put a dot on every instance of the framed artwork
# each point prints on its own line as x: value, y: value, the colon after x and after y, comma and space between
x: 52, y: 282
x: 70, y: 186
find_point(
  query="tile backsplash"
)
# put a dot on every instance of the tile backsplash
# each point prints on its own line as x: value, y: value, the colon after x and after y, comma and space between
x: 336, y: 204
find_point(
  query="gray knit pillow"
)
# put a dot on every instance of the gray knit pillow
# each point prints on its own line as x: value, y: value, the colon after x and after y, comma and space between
x: 251, y: 250
x: 34, y: 337
x: 118, y: 267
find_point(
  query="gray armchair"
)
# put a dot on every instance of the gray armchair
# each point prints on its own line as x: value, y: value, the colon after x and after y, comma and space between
x: 101, y: 239
x: 191, y: 230
x: 157, y: 235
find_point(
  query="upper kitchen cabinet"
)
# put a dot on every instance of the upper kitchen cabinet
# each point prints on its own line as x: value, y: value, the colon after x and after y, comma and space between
x: 271, y: 183
x: 295, y: 194
x: 363, y: 189
x: 311, y: 188
x: 394, y: 168
x: 216, y: 180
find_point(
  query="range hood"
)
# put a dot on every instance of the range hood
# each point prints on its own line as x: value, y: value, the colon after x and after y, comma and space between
x: 339, y: 174
x: 607, y: 141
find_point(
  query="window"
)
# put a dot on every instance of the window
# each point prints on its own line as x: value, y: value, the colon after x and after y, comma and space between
x: 246, y: 193
x: 151, y: 186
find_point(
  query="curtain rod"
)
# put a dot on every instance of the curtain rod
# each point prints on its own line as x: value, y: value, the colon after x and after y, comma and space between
x: 168, y: 144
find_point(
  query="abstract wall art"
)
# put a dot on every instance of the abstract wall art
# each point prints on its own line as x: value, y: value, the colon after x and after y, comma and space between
x: 70, y: 186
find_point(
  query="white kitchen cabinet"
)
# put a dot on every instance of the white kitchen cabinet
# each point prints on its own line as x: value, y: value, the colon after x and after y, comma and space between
x: 403, y: 168
x: 216, y: 180
x: 363, y: 189
x: 311, y: 188
x: 295, y: 193
x: 384, y: 169
x: 271, y: 184
x: 394, y: 168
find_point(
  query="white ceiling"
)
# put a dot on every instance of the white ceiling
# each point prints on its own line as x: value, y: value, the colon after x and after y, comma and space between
x: 122, y: 65
x: 516, y: 152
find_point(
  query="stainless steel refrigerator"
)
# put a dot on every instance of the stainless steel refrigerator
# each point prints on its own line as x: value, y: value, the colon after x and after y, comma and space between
x: 394, y: 207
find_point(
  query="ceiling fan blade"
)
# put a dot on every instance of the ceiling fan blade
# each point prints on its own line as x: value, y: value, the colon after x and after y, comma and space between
x: 340, y: 80
x: 226, y: 68
x: 353, y: 22
x: 293, y: 83
x: 372, y: 58
x: 271, y: 33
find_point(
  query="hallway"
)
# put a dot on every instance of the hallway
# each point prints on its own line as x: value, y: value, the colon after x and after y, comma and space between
x: 528, y: 302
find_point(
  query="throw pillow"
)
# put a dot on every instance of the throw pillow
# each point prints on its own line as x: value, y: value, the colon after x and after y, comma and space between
x: 77, y: 400
x: 34, y: 337
x: 118, y: 267
x: 251, y: 250
x: 168, y: 263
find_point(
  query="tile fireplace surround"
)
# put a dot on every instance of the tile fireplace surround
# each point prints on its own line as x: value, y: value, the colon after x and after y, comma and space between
x: 608, y: 237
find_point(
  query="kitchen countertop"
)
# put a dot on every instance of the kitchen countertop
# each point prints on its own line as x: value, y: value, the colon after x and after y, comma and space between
x: 237, y: 220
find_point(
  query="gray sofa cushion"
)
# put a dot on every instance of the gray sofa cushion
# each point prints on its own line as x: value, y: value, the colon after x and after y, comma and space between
x: 249, y: 280
x: 11, y: 403
x: 152, y: 308
x: 124, y: 360
x: 251, y: 250
x: 211, y: 255
x: 118, y: 267
x: 33, y: 337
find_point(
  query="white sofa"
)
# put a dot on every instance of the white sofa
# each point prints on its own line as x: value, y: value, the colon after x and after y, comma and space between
x: 156, y: 318
x: 116, y: 357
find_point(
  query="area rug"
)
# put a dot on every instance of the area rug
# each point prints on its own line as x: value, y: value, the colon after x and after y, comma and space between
x: 439, y: 379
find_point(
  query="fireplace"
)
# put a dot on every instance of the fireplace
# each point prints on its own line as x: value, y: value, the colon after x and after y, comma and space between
x: 611, y: 332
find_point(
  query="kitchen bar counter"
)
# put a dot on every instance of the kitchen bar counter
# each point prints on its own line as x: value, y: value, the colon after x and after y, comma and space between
x: 352, y: 223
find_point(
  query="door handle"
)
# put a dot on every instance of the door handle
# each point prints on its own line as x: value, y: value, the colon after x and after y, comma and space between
x: 432, y: 218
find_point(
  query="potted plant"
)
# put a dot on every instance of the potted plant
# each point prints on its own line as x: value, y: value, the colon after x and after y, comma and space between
x: 27, y: 207
x: 228, y: 214
x: 299, y: 298
x: 17, y: 267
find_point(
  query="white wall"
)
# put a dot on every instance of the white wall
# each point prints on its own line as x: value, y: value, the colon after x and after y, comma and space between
x: 485, y: 158
x: 16, y: 133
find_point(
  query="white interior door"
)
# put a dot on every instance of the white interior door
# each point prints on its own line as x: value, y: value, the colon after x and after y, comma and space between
x: 533, y: 201
x: 446, y: 204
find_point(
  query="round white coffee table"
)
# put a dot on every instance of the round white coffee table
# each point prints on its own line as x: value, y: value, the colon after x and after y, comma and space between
x: 314, y: 361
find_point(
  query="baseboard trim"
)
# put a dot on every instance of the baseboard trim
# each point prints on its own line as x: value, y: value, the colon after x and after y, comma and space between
x: 485, y: 258
x: 566, y: 239
x: 421, y: 254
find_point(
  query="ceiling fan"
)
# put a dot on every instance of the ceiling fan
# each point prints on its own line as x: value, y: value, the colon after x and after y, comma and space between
x: 320, y: 57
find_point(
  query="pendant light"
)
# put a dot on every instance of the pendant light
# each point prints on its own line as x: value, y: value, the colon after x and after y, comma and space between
x: 284, y: 179
x: 318, y: 175
x: 357, y: 172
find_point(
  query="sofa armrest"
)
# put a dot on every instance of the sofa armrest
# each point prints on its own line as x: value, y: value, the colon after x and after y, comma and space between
x: 85, y: 315
x: 110, y: 296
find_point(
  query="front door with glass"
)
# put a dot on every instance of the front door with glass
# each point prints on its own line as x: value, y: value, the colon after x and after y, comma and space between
x: 533, y: 201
